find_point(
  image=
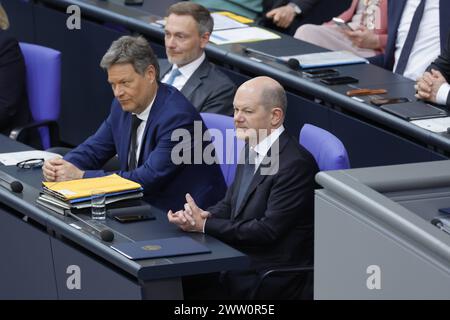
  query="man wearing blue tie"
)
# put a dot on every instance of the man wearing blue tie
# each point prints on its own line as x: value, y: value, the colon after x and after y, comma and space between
x: 417, y: 34
x: 143, y: 117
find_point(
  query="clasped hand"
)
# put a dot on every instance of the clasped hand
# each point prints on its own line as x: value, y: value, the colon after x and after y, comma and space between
x: 191, y: 219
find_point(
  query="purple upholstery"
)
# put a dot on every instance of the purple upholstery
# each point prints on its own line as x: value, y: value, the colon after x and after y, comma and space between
x: 329, y: 152
x: 227, y: 146
x: 43, y: 67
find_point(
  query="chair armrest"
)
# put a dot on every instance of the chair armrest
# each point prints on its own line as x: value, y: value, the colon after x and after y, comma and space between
x: 281, y: 270
x: 17, y: 133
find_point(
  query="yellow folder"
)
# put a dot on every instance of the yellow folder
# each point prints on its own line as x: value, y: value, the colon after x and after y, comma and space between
x: 74, y: 189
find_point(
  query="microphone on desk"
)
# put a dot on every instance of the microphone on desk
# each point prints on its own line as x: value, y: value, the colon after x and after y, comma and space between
x: 105, y: 234
x: 442, y: 223
x: 291, y: 63
x: 10, y: 183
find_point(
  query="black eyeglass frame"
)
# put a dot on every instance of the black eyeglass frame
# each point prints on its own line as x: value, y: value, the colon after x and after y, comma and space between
x: 31, y: 163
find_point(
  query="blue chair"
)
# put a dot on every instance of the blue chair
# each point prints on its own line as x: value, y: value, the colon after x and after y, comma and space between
x: 43, y: 67
x: 227, y: 150
x: 327, y: 149
x: 330, y: 154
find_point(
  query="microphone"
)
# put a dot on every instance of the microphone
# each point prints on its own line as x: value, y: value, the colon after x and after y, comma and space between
x: 105, y: 234
x: 10, y: 183
x: 442, y: 223
x: 291, y: 63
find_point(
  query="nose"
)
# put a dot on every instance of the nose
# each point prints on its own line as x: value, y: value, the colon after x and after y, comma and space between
x: 118, y: 90
x: 238, y: 117
x: 170, y: 42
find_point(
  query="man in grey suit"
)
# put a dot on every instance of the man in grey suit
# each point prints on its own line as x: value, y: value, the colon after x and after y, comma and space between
x: 187, y: 31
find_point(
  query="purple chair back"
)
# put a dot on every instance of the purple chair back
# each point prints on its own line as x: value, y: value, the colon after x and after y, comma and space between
x: 43, y: 67
x: 329, y: 152
x: 227, y: 146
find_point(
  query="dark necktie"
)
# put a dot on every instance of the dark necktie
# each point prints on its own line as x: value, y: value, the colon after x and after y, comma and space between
x: 410, y: 38
x: 247, y: 175
x: 135, y: 122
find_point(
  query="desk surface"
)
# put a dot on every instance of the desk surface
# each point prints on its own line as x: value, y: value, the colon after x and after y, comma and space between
x: 139, y: 17
x: 222, y: 256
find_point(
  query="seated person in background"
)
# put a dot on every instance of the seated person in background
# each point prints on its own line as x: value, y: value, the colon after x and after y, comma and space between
x: 139, y: 130
x: 187, y: 31
x: 14, y: 110
x: 417, y: 34
x: 278, y: 13
x: 267, y: 212
x: 367, y: 18
x: 434, y: 85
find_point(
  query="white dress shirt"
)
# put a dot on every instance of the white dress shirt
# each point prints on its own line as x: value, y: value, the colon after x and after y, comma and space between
x: 427, y: 45
x: 186, y: 72
x: 442, y: 94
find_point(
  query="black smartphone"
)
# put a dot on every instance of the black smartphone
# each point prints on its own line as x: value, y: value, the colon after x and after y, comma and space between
x: 132, y: 218
x: 338, y: 80
x: 382, y: 101
x: 134, y: 2
x: 319, y: 73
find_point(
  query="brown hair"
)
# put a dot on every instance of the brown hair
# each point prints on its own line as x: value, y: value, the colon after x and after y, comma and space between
x: 201, y: 15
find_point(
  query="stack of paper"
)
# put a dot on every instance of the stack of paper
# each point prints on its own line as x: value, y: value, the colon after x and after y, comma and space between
x: 250, y: 34
x: 12, y: 158
x: 325, y: 59
x: 76, y: 194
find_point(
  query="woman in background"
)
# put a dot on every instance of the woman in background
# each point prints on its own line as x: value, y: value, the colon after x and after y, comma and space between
x: 366, y: 18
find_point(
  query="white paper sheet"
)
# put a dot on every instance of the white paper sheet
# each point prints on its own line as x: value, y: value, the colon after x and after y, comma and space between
x: 435, y: 125
x: 222, y: 22
x: 12, y: 158
x: 250, y: 34
x: 324, y: 59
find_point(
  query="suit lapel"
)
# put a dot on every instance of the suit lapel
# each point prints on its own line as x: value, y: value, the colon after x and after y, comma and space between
x: 258, y: 177
x: 196, y: 79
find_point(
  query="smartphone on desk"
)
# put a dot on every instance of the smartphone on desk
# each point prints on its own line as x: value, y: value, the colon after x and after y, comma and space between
x: 319, y: 73
x: 133, y: 217
x: 338, y: 80
x: 341, y: 24
x: 382, y: 101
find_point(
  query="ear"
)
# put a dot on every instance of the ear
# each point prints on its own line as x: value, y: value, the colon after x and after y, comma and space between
x: 277, y: 116
x: 150, y: 73
x: 204, y: 39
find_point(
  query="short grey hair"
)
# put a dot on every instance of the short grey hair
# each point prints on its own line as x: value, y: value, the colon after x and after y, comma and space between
x: 201, y: 15
x: 274, y: 96
x: 134, y: 50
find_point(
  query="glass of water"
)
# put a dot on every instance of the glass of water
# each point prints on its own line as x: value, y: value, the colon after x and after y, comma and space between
x: 98, y: 205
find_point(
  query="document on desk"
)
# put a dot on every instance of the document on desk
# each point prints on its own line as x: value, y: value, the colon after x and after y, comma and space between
x: 224, y: 22
x: 250, y: 34
x: 159, y: 248
x: 434, y: 125
x: 325, y: 59
x: 13, y: 158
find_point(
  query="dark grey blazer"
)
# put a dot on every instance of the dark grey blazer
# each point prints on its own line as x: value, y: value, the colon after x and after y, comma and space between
x: 273, y: 225
x: 208, y: 89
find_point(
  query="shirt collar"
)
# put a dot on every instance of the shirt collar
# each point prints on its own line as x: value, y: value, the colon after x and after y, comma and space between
x: 263, y: 147
x: 144, y: 114
x: 188, y: 69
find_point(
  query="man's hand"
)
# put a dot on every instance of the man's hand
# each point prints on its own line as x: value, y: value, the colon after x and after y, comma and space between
x: 428, y: 85
x: 58, y: 169
x: 282, y: 16
x: 363, y: 38
x: 191, y: 219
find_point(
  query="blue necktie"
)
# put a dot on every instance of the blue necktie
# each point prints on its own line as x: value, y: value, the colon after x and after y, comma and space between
x: 173, y: 75
x: 247, y: 175
x: 410, y: 38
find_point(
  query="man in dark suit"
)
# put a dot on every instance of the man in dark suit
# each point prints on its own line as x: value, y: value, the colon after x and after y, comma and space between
x: 285, y: 14
x: 426, y: 24
x: 187, y: 30
x: 142, y: 129
x: 267, y: 213
x: 14, y: 111
x: 434, y: 85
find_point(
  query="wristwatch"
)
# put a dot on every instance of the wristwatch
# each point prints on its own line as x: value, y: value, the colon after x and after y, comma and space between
x: 296, y: 8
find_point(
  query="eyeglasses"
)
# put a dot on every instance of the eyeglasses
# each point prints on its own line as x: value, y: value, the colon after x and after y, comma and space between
x: 30, y: 163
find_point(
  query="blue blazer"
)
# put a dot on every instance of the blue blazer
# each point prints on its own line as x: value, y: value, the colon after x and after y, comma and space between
x: 165, y: 183
x: 395, y: 11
